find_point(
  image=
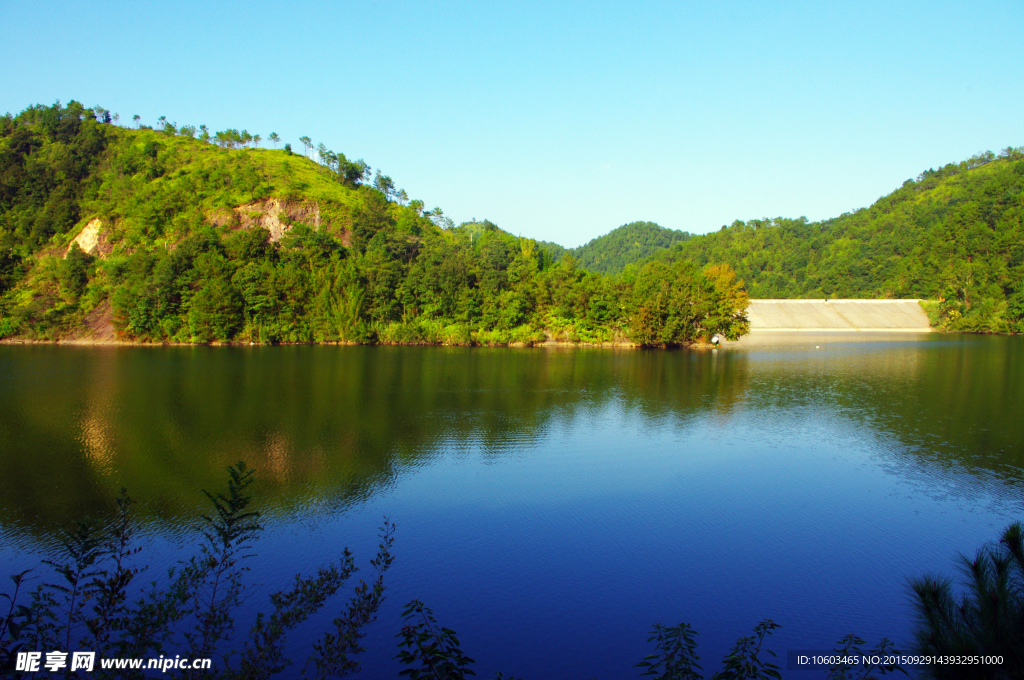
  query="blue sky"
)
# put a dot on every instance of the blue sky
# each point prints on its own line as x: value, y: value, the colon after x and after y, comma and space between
x: 561, y: 121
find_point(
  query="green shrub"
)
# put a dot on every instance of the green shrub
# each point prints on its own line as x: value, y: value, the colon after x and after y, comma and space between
x: 8, y: 327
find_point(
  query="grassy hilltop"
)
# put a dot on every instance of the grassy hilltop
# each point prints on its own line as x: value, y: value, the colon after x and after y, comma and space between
x: 165, y: 236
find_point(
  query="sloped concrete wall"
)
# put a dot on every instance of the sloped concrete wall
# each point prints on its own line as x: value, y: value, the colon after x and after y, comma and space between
x: 837, y: 315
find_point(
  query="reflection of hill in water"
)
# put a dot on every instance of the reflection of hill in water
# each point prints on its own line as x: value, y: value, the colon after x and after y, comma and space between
x: 78, y: 423
x: 331, y: 425
x: 950, y: 401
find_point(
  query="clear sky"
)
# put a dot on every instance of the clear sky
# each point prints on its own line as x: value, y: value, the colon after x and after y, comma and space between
x: 561, y: 120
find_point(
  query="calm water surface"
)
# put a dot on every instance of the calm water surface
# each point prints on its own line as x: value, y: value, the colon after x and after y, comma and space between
x: 551, y: 504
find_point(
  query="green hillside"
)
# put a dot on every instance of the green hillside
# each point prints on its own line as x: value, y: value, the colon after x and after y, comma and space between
x: 180, y: 235
x: 954, y: 235
x: 629, y: 244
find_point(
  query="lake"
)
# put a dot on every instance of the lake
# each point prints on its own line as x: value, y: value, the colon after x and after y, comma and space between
x: 552, y: 504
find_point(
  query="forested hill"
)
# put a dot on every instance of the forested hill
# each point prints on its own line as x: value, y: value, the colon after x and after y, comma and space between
x: 179, y: 234
x: 630, y: 243
x: 954, y: 234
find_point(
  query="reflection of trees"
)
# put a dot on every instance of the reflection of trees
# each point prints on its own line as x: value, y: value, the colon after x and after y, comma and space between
x: 952, y: 402
x: 333, y: 424
x: 78, y: 424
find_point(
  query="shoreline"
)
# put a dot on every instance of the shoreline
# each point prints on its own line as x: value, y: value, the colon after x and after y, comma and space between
x: 551, y: 344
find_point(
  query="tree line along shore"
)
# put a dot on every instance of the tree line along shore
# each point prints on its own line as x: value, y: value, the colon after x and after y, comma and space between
x: 179, y: 235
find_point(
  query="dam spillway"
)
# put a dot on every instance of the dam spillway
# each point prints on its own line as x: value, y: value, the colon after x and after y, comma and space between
x: 837, y: 315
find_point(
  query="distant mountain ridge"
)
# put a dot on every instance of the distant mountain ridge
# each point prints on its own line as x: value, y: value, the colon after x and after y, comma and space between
x: 631, y: 243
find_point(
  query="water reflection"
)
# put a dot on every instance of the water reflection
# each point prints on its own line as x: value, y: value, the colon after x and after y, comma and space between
x: 76, y: 424
x: 800, y: 477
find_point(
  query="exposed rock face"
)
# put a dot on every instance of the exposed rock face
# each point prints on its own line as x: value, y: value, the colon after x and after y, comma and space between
x: 272, y: 214
x: 99, y: 324
x: 90, y: 240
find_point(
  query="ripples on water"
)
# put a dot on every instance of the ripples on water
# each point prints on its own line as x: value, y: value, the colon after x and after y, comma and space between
x: 551, y: 505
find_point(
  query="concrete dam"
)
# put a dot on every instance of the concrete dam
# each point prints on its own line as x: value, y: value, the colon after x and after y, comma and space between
x: 838, y: 315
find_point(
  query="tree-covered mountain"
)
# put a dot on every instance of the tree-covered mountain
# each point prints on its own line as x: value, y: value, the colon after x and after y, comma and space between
x: 629, y: 244
x: 183, y: 235
x: 954, y: 235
